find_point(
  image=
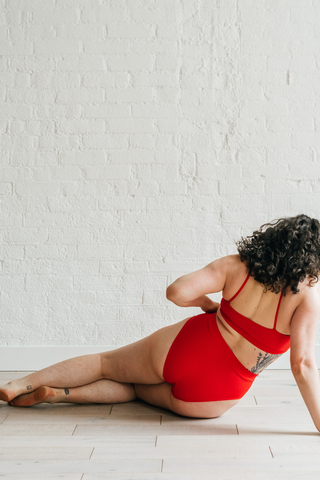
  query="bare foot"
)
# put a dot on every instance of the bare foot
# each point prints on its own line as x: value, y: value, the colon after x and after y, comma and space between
x: 12, y: 389
x: 7, y: 394
x: 41, y: 395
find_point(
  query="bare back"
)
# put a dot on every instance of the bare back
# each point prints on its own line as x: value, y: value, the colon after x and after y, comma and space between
x: 260, y: 307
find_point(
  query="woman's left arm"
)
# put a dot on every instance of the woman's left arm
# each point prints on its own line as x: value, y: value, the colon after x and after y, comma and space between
x: 190, y: 290
x: 302, y: 356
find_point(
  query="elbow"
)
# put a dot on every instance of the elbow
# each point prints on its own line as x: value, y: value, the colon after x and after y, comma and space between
x: 175, y: 296
x: 302, y: 365
x: 170, y: 293
x: 296, y: 369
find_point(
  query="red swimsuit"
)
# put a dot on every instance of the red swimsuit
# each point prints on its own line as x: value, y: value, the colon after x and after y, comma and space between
x: 201, y: 366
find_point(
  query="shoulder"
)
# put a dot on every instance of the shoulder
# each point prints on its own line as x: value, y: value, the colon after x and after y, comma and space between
x: 310, y: 297
x: 229, y: 269
x: 229, y: 263
x: 307, y: 312
x: 304, y: 324
x: 307, y: 300
x: 233, y: 267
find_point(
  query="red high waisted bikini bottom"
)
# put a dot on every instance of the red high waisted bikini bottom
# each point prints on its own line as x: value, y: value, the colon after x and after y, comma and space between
x: 202, y: 367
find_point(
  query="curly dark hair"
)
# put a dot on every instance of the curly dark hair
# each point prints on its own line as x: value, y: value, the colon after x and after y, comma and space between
x: 282, y: 253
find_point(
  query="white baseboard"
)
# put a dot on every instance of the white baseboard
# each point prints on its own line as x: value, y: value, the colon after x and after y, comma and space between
x: 26, y: 359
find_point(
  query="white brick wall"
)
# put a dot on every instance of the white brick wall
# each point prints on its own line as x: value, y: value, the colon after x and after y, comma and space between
x: 139, y: 140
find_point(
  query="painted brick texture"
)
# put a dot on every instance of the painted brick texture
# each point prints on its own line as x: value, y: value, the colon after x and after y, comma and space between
x: 139, y: 140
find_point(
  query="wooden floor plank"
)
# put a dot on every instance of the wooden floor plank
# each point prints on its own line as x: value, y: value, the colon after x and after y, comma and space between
x: 40, y: 476
x: 45, y: 453
x: 212, y: 475
x: 185, y: 452
x: 62, y: 409
x: 279, y: 400
x: 118, y: 442
x: 259, y: 437
x: 302, y: 431
x: 83, y: 419
x: 81, y: 466
x: 274, y: 390
x: 138, y: 408
x: 259, y: 414
x: 234, y: 465
x: 30, y: 430
x: 297, y: 450
x: 146, y: 430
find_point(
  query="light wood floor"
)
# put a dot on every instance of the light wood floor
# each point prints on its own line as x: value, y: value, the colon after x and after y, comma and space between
x: 268, y: 435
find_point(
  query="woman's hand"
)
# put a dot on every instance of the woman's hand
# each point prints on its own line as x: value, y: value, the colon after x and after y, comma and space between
x: 210, y: 306
x: 204, y: 302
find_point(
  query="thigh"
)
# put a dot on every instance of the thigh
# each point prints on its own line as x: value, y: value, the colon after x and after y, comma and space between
x: 161, y: 396
x: 141, y: 361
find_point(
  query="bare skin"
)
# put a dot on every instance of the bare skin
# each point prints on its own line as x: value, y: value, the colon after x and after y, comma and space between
x: 136, y: 370
x: 121, y: 375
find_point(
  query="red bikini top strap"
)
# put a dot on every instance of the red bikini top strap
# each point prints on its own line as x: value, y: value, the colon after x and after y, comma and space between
x: 234, y: 296
x: 276, y: 317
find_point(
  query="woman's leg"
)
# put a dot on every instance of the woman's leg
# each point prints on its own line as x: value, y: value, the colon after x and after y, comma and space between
x: 102, y: 391
x: 140, y: 362
x: 70, y: 373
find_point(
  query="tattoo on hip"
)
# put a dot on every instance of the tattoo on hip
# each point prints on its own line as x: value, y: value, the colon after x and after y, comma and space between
x: 264, y: 361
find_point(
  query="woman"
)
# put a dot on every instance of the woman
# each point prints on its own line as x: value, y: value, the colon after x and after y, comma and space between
x: 203, y: 365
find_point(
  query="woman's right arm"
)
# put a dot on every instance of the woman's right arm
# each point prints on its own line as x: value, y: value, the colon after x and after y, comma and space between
x: 302, y: 356
x: 191, y: 290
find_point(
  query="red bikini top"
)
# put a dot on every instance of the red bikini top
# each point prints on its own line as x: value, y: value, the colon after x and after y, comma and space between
x: 266, y: 339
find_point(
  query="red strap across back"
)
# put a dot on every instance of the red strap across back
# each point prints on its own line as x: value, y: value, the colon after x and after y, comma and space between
x: 234, y: 296
x: 266, y: 339
x: 276, y: 317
